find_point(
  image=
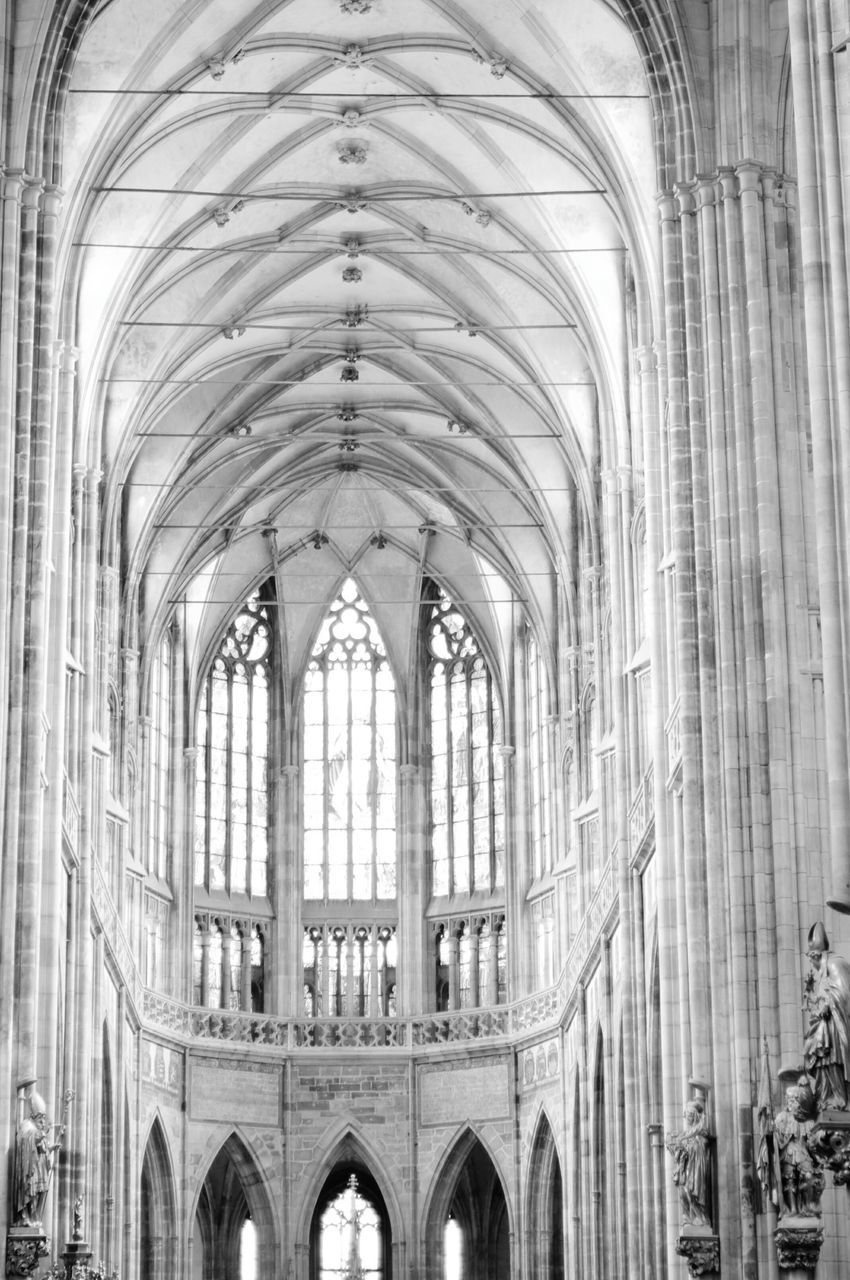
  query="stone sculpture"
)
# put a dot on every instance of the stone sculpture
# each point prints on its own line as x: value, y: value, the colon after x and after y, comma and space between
x: 689, y: 1148
x: 800, y: 1171
x: 33, y: 1161
x: 826, y: 1051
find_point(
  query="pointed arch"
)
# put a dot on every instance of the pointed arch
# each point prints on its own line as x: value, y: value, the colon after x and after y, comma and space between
x: 468, y: 1188
x: 232, y: 1190
x: 158, y: 1208
x: 544, y: 1206
x: 344, y: 1145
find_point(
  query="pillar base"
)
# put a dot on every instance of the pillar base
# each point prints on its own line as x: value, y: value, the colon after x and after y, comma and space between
x: 701, y: 1247
x: 798, y: 1241
x: 25, y: 1247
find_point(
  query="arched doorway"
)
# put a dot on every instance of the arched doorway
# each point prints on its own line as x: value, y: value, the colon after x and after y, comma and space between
x: 468, y: 1232
x: 234, y: 1236
x: 350, y: 1232
x: 158, y: 1235
x: 545, y: 1208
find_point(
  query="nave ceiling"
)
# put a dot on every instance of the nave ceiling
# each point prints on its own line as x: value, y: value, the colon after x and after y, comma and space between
x: 350, y: 283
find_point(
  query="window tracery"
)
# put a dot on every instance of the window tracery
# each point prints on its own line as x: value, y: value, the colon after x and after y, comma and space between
x: 467, y: 771
x: 349, y: 741
x: 231, y: 784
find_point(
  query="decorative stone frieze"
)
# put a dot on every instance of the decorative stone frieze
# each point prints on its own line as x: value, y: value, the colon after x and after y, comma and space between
x: 701, y: 1249
x: 798, y: 1243
x: 25, y: 1247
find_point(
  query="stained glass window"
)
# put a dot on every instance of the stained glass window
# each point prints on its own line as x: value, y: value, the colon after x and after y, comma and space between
x: 467, y: 777
x: 349, y: 759
x: 350, y: 1237
x: 231, y: 788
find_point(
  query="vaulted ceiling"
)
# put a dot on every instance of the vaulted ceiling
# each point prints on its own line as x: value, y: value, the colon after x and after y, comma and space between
x: 350, y: 280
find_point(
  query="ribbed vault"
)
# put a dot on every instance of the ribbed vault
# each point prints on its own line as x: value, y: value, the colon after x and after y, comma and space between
x: 353, y: 282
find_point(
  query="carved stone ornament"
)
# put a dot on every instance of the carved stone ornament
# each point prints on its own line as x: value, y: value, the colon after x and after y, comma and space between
x: 24, y: 1250
x: 352, y: 275
x: 701, y: 1250
x: 352, y: 202
x: 355, y: 6
x: 830, y: 1142
x: 351, y: 118
x: 798, y: 1243
x: 352, y: 153
x: 349, y: 374
x: 351, y: 56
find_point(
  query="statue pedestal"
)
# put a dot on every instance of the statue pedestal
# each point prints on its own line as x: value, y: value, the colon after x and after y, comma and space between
x: 77, y: 1258
x: 798, y: 1241
x: 701, y: 1247
x: 25, y: 1247
x: 830, y: 1138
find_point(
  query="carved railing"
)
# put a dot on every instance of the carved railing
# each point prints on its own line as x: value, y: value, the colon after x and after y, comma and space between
x: 350, y: 1033
x: 674, y: 744
x: 591, y: 926
x: 462, y: 1025
x: 642, y: 811
x: 113, y: 932
x: 70, y: 814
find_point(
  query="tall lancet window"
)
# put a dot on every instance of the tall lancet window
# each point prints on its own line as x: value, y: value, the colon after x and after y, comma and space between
x: 467, y: 776
x: 231, y: 790
x: 349, y: 759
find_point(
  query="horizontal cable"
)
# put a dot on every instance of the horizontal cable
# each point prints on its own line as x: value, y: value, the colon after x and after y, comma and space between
x: 349, y: 193
x: 364, y: 251
x: 435, y: 526
x: 334, y: 435
x: 385, y: 577
x: 367, y: 323
x: 300, y: 382
x: 291, y: 604
x: 278, y: 95
x: 258, y: 487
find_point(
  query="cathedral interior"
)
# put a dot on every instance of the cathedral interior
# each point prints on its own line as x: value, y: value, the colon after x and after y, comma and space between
x: 425, y: 639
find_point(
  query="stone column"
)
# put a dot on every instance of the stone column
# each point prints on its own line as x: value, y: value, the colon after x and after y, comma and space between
x: 288, y: 894
x: 828, y: 420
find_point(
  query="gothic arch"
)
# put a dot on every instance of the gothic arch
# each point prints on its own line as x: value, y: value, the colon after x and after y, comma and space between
x: 158, y: 1207
x: 544, y: 1206
x: 232, y: 1170
x: 344, y: 1144
x: 468, y: 1182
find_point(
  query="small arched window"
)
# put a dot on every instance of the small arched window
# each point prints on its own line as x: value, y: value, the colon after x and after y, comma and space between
x: 231, y: 786
x: 349, y: 742
x: 467, y: 773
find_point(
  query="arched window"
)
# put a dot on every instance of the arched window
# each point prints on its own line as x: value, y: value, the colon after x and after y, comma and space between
x: 160, y: 760
x: 231, y: 788
x: 349, y: 717
x: 467, y: 776
x: 350, y: 1230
